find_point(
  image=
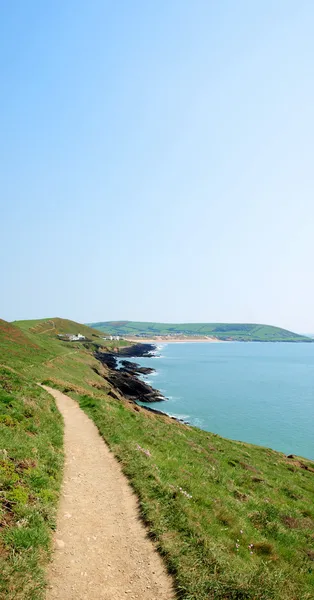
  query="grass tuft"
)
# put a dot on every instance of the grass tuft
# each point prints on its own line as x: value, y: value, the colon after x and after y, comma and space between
x: 30, y: 473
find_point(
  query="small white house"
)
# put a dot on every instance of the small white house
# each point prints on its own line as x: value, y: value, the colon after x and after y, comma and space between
x: 72, y: 337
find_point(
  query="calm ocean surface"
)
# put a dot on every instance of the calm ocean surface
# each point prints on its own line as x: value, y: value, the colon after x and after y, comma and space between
x: 255, y: 392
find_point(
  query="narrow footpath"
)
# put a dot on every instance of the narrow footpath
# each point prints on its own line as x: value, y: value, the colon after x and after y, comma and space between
x: 102, y: 551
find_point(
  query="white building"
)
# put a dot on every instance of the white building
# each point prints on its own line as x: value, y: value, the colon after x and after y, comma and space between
x: 72, y: 337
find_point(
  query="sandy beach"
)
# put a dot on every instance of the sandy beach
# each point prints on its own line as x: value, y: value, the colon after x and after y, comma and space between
x: 172, y: 339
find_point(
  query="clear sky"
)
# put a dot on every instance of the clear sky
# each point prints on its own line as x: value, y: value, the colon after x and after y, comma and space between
x: 157, y: 160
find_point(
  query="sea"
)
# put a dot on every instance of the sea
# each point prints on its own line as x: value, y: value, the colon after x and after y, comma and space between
x: 262, y: 393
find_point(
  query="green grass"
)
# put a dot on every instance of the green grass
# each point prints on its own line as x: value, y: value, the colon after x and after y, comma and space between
x: 31, y: 443
x: 205, y: 499
x: 30, y: 474
x: 233, y: 521
x: 55, y: 326
x: 38, y: 355
x: 223, y: 331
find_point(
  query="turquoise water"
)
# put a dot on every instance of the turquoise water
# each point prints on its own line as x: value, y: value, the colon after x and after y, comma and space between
x: 255, y: 392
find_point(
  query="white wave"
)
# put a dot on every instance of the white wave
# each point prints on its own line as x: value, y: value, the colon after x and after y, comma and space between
x: 179, y: 416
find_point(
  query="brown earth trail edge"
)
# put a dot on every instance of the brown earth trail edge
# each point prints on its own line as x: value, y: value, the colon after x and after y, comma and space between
x: 102, y: 551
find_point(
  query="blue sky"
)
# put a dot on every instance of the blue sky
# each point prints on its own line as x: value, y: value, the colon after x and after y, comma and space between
x: 157, y: 160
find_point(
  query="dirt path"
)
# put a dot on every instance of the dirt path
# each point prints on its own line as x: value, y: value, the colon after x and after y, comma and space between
x: 50, y: 360
x: 50, y: 328
x: 102, y: 551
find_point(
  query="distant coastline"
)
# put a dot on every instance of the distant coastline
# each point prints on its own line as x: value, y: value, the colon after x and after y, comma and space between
x: 172, y: 340
x: 197, y: 332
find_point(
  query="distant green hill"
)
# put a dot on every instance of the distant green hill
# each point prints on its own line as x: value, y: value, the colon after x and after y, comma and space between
x: 244, y: 332
x: 55, y: 326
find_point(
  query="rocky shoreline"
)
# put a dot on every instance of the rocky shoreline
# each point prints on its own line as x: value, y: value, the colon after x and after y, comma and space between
x: 125, y: 376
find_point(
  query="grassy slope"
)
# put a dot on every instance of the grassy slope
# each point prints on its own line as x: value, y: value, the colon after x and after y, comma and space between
x: 38, y: 355
x: 233, y: 521
x: 223, y: 331
x: 31, y: 449
x: 30, y: 472
x: 31, y: 442
x: 55, y: 326
x: 233, y: 486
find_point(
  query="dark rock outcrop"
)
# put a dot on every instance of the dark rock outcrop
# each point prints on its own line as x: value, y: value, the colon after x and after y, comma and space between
x: 125, y: 380
x: 131, y: 367
x: 133, y: 388
x: 137, y: 350
x: 108, y: 359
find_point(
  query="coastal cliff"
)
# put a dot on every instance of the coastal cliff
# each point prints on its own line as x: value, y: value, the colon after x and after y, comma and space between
x: 124, y: 377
